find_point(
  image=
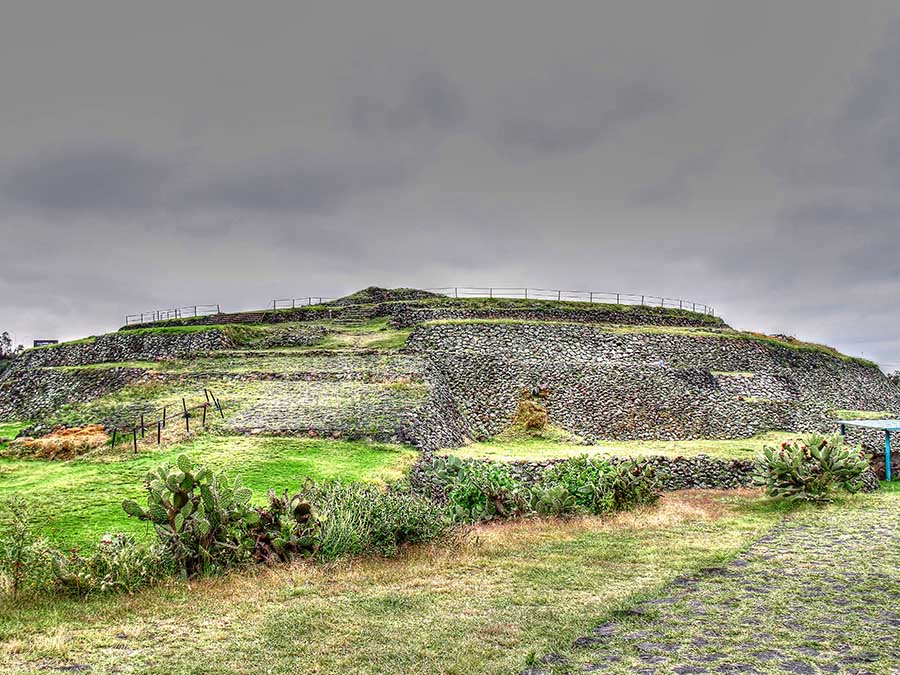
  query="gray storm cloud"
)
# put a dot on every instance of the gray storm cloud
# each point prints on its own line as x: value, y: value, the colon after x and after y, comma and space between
x: 743, y: 154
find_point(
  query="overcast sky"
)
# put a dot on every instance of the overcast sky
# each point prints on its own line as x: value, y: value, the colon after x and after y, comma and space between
x: 741, y: 154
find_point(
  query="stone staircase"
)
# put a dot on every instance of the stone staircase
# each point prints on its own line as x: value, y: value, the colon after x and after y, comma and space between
x: 355, y: 315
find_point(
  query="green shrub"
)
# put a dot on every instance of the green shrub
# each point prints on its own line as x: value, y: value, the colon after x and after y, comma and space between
x: 812, y: 469
x: 29, y: 565
x: 25, y: 558
x: 476, y: 490
x: 598, y: 486
x: 118, y: 565
x: 358, y: 519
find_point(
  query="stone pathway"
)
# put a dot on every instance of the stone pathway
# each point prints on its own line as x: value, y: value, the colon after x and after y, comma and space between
x: 820, y: 594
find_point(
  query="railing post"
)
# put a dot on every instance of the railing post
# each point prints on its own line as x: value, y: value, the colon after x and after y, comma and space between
x: 642, y: 300
x: 218, y: 309
x: 526, y: 293
x: 592, y: 296
x: 456, y: 292
x: 558, y: 295
x: 617, y: 299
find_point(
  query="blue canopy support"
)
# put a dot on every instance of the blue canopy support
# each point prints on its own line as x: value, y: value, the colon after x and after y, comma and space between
x: 887, y: 426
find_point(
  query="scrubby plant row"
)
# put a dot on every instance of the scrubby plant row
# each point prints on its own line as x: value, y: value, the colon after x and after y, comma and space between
x: 477, y: 491
x: 205, y: 524
x: 812, y: 469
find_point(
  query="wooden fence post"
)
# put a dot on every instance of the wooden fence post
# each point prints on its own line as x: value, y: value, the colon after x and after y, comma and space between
x: 142, y: 425
x: 187, y: 417
x: 205, y: 406
x: 164, y: 417
x: 134, y: 438
x: 158, y: 432
x: 114, y: 437
x: 218, y: 405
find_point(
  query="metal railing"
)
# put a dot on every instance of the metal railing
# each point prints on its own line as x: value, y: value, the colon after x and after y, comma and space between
x: 174, y: 313
x: 573, y: 296
x: 293, y: 303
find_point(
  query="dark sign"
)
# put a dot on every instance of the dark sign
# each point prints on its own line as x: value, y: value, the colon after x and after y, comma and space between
x: 44, y: 343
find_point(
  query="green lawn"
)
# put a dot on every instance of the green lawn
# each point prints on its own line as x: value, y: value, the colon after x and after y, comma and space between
x: 10, y: 430
x: 77, y: 502
x: 486, y: 604
x: 541, y: 448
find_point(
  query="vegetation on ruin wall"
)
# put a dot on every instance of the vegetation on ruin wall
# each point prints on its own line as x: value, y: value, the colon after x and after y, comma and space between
x: 317, y: 311
x: 79, y: 501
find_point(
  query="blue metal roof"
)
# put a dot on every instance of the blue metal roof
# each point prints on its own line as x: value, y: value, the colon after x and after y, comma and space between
x: 886, y: 425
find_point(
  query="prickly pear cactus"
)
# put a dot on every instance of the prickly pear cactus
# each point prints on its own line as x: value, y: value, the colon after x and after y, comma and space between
x: 288, y: 528
x: 203, y: 519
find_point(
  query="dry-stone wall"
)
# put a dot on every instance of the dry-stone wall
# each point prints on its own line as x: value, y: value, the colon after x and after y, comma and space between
x: 604, y: 384
x: 125, y: 346
x: 403, y: 316
x: 36, y: 392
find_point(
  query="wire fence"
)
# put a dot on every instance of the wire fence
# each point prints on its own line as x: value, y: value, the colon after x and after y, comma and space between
x: 138, y: 429
x: 173, y: 313
x: 572, y: 296
x: 293, y: 303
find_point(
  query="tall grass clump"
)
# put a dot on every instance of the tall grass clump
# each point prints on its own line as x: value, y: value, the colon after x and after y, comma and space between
x: 358, y: 519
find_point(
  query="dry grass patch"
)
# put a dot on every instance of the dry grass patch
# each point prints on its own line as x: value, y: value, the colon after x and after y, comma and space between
x: 61, y: 443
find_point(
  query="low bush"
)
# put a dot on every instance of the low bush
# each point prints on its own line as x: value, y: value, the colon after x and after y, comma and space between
x: 25, y: 562
x: 118, y: 565
x: 477, y: 491
x: 30, y: 565
x: 812, y: 469
x: 358, y: 519
x: 598, y: 486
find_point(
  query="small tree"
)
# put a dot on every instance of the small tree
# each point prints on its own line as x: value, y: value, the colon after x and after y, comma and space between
x: 6, y: 346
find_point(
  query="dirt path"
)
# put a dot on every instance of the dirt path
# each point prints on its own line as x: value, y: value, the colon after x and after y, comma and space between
x: 821, y: 594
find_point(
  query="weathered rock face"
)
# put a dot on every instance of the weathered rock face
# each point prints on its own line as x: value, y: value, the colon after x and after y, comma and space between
x: 645, y: 386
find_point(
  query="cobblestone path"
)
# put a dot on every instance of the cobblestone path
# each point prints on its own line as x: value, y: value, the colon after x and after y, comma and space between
x: 820, y: 594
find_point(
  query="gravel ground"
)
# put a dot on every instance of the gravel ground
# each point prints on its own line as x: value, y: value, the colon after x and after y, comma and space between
x: 820, y: 594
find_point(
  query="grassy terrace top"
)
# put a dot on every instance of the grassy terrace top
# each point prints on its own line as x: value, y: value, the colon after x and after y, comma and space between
x: 312, y: 312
